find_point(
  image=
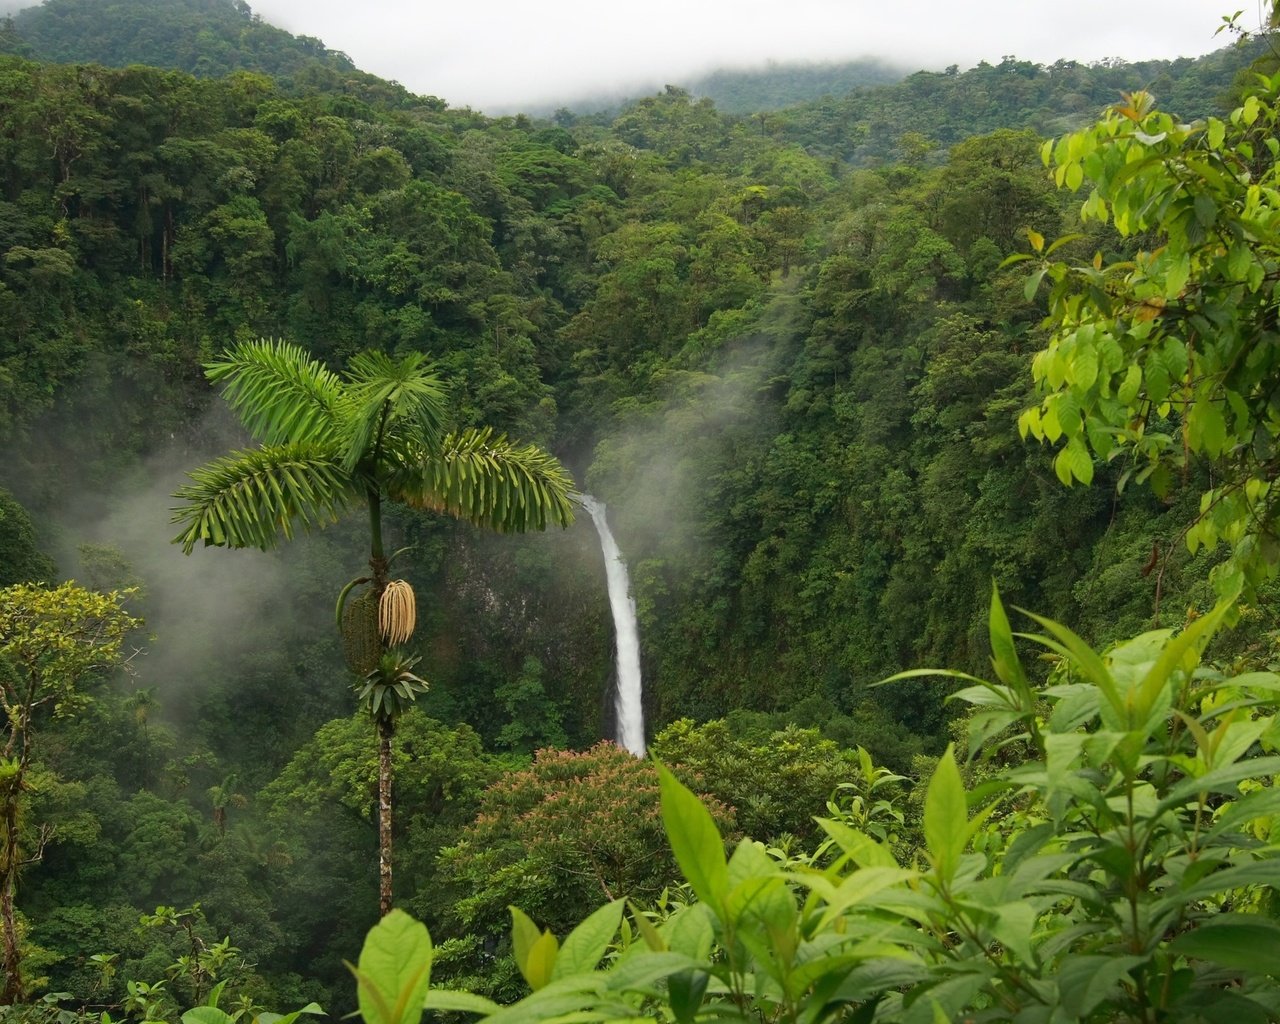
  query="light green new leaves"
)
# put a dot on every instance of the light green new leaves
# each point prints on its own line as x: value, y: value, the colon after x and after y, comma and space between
x: 535, y: 951
x: 587, y: 943
x: 1074, y: 463
x: 206, y: 1015
x: 394, y: 972
x: 695, y: 840
x: 313, y: 1009
x: 1187, y: 323
x: 542, y: 960
x: 946, y: 817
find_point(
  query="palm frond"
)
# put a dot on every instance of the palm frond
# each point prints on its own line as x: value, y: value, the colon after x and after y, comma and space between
x: 487, y: 480
x: 254, y: 498
x: 279, y: 392
x: 382, y: 390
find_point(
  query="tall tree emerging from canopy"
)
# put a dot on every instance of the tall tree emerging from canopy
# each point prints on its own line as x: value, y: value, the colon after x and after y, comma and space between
x: 329, y: 443
x: 51, y: 643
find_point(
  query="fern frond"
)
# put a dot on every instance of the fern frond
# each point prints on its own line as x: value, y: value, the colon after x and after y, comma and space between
x: 400, y: 393
x: 486, y: 480
x: 254, y: 498
x: 279, y: 392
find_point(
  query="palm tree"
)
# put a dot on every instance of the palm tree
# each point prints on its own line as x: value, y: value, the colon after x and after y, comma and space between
x: 223, y: 797
x: 328, y: 443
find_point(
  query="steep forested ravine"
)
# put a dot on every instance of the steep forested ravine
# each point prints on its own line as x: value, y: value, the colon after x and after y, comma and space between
x: 783, y: 347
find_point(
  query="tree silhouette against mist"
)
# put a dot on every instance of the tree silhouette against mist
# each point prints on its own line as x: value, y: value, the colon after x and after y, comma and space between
x: 328, y: 443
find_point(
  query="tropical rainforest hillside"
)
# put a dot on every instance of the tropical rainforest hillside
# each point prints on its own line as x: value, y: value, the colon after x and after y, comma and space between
x: 203, y: 37
x: 785, y: 84
x: 784, y: 347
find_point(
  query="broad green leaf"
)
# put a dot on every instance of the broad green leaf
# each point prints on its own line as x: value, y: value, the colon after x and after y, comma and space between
x: 534, y: 955
x: 1032, y: 284
x: 1004, y: 657
x: 647, y: 931
x: 1206, y: 210
x: 946, y: 818
x: 206, y: 1015
x: 394, y: 971
x: 1084, y: 982
x: 539, y: 966
x: 1220, y: 780
x: 1081, y: 655
x: 641, y: 972
x: 215, y: 994
x: 1178, y: 274
x: 694, y: 840
x: 860, y: 847
x: 462, y: 1002
x: 1255, y: 872
x: 1239, y: 259
x: 1079, y: 461
x: 1084, y: 368
x: 750, y: 862
x: 1239, y: 942
x: 1064, y: 240
x: 1062, y: 467
x: 684, y: 992
x: 860, y: 886
x: 1128, y: 389
x: 944, y: 1002
x: 1182, y: 652
x: 1217, y: 132
x: 1013, y: 926
x: 587, y: 943
x: 554, y: 1002
x: 314, y: 1009
x: 690, y: 932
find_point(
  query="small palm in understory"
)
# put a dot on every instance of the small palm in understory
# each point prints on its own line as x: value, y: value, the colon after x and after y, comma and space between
x: 330, y: 443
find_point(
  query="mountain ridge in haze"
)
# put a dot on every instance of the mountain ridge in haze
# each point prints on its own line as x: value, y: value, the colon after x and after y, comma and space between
x: 816, y: 104
x: 202, y: 37
x: 214, y: 37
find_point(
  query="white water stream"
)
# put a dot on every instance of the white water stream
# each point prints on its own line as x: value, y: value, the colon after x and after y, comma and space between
x: 628, y: 705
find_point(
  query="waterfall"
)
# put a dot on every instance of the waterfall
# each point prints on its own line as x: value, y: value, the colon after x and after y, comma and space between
x: 630, y: 712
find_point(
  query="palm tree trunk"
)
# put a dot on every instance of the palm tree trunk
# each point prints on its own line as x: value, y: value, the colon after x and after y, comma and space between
x: 377, y: 559
x: 386, y: 728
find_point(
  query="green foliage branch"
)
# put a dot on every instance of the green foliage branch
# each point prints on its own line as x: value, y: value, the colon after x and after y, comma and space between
x: 1167, y: 362
x: 53, y: 642
x: 1125, y: 871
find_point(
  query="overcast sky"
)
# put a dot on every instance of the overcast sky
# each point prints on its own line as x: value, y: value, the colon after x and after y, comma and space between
x: 503, y: 54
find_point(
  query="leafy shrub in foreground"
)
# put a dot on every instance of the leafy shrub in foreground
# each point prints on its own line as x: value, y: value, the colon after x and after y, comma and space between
x: 1124, y: 871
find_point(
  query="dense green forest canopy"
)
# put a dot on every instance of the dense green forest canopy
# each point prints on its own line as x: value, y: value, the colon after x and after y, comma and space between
x: 782, y: 347
x: 203, y: 37
x: 784, y: 84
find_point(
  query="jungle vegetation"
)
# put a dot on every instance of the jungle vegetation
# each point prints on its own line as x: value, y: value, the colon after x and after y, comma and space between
x: 791, y: 351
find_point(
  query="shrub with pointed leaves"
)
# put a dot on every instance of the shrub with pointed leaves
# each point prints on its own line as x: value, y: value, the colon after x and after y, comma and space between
x: 1123, y: 872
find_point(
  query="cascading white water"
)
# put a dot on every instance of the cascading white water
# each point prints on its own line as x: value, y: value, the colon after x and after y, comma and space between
x: 628, y: 703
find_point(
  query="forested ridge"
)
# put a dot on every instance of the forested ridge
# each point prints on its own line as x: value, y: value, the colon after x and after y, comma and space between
x: 784, y: 347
